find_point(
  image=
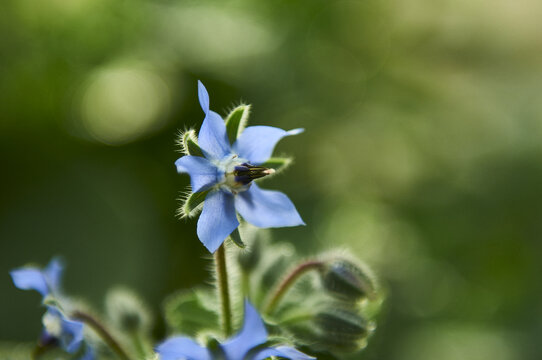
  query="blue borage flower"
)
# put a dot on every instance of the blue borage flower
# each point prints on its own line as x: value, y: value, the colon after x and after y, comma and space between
x: 227, y: 172
x: 57, y: 327
x: 248, y: 344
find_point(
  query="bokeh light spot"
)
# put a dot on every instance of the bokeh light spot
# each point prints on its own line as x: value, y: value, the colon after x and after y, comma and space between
x: 123, y: 103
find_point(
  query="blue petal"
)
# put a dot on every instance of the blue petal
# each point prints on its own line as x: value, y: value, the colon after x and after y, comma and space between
x: 212, y: 137
x: 267, y: 208
x: 182, y: 348
x: 252, y: 335
x: 203, y: 96
x: 284, y: 352
x: 256, y: 143
x: 30, y: 279
x: 72, y: 335
x: 203, y: 174
x: 53, y: 273
x: 217, y: 219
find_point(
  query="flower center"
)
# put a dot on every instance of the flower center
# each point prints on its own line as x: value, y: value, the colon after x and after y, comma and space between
x: 238, y: 174
x: 52, y: 324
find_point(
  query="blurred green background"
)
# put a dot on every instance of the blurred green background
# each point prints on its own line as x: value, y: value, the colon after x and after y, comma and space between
x: 422, y: 152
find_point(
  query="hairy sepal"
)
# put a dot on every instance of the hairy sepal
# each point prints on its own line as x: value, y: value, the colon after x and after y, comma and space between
x: 236, y: 121
x: 188, y: 141
x: 192, y: 203
x: 235, y: 237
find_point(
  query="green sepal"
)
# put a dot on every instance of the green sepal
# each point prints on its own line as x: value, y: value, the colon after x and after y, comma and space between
x: 190, y: 312
x: 216, y: 349
x: 50, y: 300
x: 188, y: 141
x: 236, y: 238
x: 192, y: 204
x: 236, y: 122
x: 278, y: 163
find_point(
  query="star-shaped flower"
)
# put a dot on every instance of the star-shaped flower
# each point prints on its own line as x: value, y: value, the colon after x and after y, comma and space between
x: 57, y: 327
x: 248, y: 344
x: 227, y: 172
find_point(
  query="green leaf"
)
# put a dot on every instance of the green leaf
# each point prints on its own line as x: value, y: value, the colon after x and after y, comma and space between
x: 236, y: 238
x: 236, y: 121
x: 192, y: 204
x: 188, y: 141
x: 278, y: 163
x: 190, y: 312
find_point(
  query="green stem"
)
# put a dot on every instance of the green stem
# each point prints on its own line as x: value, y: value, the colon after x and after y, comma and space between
x: 289, y: 280
x: 102, y: 331
x: 223, y: 289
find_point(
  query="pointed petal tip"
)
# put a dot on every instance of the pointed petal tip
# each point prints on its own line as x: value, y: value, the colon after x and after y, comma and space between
x: 212, y: 248
x: 203, y: 96
x: 296, y: 131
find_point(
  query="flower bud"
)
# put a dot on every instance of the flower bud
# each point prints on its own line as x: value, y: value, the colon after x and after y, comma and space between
x: 346, y: 281
x: 127, y: 311
x: 342, y: 330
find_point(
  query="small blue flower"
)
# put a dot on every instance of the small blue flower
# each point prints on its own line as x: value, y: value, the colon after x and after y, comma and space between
x: 228, y: 171
x: 248, y: 344
x: 45, y: 281
x: 57, y: 327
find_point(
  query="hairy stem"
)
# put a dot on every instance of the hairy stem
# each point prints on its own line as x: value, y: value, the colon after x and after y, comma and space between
x: 102, y: 331
x: 223, y: 289
x: 289, y: 280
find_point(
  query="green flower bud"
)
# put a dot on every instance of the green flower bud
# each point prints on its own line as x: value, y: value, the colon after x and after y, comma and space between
x: 346, y: 281
x: 342, y: 330
x: 127, y: 311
